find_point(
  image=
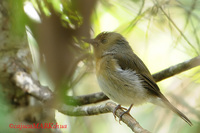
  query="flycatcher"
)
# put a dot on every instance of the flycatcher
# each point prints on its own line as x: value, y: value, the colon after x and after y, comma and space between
x: 122, y: 75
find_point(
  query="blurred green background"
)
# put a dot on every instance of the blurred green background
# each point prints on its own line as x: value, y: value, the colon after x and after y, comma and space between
x: 161, y: 32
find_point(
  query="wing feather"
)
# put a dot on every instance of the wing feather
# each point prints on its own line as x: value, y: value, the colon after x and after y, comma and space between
x: 128, y: 61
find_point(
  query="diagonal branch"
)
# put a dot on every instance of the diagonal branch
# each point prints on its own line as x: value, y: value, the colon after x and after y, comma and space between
x: 176, y: 69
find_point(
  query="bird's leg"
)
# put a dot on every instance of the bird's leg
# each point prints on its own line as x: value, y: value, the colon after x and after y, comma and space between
x: 125, y: 112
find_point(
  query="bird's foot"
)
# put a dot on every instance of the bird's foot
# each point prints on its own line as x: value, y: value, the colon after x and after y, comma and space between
x: 116, y: 108
x: 125, y: 112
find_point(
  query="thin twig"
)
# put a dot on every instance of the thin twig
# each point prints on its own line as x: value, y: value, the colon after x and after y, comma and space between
x: 182, y: 34
x: 139, y: 16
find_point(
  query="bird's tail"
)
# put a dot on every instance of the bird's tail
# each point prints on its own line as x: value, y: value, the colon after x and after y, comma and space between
x: 175, y: 110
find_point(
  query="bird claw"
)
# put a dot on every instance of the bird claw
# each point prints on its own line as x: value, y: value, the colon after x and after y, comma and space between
x: 125, y: 112
x: 116, y: 108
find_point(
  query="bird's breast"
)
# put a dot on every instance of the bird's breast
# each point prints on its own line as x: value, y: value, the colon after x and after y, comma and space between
x: 122, y: 86
x: 105, y: 65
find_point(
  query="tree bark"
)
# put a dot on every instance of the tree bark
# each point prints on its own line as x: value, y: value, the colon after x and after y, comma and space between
x: 19, y: 107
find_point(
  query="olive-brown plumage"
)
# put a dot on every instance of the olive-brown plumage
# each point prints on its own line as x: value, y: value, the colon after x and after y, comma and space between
x: 122, y: 75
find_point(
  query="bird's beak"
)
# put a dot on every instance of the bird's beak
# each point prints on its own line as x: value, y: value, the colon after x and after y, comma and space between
x: 91, y: 41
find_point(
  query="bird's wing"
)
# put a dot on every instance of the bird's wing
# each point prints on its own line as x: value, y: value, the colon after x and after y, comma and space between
x: 127, y: 61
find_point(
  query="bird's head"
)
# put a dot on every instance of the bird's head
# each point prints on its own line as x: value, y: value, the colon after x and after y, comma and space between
x: 108, y: 42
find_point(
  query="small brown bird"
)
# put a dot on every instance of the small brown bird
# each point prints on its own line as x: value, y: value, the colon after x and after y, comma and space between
x: 122, y: 75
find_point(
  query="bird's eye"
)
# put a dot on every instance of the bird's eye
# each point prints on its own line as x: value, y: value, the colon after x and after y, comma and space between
x: 103, y: 41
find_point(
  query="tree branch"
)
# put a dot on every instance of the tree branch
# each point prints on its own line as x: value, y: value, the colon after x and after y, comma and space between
x: 86, y: 99
x: 176, y: 69
x: 166, y: 73
x: 26, y: 83
x: 99, y: 96
x: 99, y: 109
x: 34, y: 88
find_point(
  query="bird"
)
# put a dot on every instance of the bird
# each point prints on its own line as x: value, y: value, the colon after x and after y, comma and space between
x: 122, y: 75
